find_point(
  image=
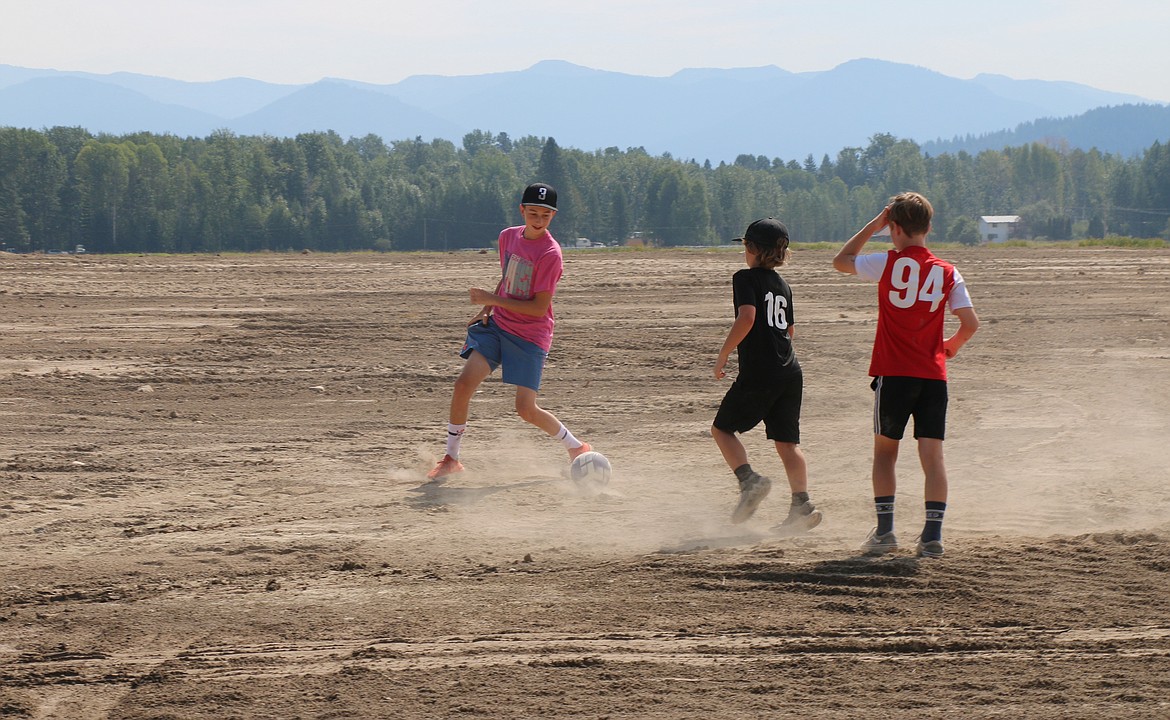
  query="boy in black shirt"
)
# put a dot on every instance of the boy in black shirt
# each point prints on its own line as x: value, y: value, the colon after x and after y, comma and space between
x: 769, y: 385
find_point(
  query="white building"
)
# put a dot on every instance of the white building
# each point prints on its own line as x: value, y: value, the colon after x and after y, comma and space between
x: 996, y: 228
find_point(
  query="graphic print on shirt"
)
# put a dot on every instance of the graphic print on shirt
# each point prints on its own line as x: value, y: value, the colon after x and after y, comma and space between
x: 907, y: 286
x: 914, y: 287
x: 518, y: 278
x: 777, y: 317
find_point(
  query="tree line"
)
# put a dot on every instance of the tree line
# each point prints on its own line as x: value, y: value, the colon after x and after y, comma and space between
x: 63, y: 187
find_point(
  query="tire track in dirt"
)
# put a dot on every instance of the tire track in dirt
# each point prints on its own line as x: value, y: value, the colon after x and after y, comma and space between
x: 282, y: 660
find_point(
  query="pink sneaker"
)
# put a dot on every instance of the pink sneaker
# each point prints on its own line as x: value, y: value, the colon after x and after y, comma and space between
x: 574, y: 453
x: 447, y: 466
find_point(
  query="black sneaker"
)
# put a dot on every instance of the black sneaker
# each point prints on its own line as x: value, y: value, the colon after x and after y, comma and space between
x: 752, y: 492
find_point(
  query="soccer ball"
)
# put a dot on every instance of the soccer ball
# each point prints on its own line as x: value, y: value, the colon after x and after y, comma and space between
x: 590, y: 471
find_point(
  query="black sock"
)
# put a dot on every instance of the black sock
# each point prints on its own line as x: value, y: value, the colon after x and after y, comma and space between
x: 934, y: 520
x: 743, y: 472
x: 885, y: 513
x: 799, y: 498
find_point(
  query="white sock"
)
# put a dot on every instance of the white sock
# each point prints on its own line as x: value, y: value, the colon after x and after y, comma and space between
x: 567, y: 438
x: 454, y: 436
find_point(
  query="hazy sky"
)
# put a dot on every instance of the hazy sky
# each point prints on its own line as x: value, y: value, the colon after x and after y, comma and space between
x: 1119, y: 45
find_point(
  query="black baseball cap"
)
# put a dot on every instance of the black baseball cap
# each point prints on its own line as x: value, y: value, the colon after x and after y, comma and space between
x: 540, y: 195
x: 765, y: 233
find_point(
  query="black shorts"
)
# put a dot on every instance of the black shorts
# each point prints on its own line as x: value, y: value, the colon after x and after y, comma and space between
x: 777, y: 405
x: 897, y: 399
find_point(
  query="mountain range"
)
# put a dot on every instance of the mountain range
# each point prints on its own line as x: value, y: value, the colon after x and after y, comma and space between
x: 700, y: 114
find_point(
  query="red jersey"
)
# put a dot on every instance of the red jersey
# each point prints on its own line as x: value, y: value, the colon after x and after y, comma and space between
x: 914, y: 288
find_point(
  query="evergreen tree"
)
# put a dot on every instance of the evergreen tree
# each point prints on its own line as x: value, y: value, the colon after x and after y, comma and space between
x: 145, y: 192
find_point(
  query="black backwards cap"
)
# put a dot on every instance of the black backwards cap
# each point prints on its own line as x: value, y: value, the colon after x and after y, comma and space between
x: 540, y: 195
x: 765, y: 233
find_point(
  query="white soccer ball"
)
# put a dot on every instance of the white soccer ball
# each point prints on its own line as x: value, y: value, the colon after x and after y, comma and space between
x: 590, y: 471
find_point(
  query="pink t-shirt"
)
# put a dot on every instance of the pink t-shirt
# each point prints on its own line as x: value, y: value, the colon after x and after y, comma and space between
x: 530, y: 266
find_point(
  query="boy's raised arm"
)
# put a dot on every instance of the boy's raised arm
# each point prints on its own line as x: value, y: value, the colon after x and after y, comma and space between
x: 844, y: 261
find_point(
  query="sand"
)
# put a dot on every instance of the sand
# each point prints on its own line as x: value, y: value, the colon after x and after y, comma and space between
x: 213, y: 500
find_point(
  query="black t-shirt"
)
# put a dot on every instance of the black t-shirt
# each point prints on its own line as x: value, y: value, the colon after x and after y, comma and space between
x: 766, y: 353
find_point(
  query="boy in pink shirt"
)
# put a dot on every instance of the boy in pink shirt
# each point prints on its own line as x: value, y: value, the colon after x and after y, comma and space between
x: 515, y: 327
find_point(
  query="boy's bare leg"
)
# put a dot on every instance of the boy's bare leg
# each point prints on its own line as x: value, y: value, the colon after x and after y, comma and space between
x: 802, y: 514
x: 794, y: 466
x: 930, y: 454
x: 885, y: 459
x: 475, y: 371
x: 753, y: 487
x: 730, y: 447
x: 530, y: 412
x: 534, y: 414
x: 885, y: 484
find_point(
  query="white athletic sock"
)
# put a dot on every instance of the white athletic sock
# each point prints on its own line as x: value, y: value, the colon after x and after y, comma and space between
x: 567, y: 438
x: 454, y: 436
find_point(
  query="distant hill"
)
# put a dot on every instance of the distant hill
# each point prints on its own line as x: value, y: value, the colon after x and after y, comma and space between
x: 97, y: 106
x: 222, y: 98
x: 1125, y: 130
x: 701, y: 114
x: 348, y: 111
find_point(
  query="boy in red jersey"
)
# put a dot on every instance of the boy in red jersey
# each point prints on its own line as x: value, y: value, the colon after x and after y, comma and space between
x: 909, y: 362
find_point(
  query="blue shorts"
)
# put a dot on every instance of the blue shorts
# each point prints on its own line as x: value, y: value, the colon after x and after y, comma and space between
x: 522, y: 359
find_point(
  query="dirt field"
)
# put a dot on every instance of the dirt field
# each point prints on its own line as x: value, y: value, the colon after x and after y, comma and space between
x: 213, y: 501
